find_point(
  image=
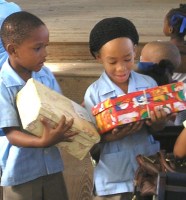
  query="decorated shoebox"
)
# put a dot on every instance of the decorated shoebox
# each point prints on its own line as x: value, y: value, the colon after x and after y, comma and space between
x: 136, y: 106
x: 35, y: 100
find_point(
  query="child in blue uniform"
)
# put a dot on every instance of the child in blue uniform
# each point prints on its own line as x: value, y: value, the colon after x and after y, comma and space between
x: 113, y: 42
x: 6, y: 8
x: 31, y: 166
x: 159, y: 59
x: 175, y: 27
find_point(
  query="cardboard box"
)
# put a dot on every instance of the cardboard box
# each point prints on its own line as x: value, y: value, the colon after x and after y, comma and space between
x: 35, y: 100
x: 136, y: 106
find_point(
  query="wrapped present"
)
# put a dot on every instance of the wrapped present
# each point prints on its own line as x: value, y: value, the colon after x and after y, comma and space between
x: 136, y: 106
x: 35, y: 100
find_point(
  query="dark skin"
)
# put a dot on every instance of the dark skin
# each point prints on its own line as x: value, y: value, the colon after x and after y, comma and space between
x: 117, y: 57
x: 180, y: 145
x: 24, y: 58
x: 157, y: 121
x: 50, y: 136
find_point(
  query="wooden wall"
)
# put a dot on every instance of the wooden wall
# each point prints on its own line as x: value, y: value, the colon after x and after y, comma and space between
x: 62, y: 53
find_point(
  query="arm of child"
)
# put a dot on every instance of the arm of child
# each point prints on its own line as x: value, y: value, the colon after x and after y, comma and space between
x: 180, y: 145
x: 119, y: 133
x: 50, y: 136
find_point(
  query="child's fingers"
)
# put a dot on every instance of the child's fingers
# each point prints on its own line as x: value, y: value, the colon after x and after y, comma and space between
x: 148, y: 122
x: 64, y: 124
x: 45, y: 123
x: 137, y: 126
x: 68, y: 134
x: 158, y: 114
x: 117, y: 131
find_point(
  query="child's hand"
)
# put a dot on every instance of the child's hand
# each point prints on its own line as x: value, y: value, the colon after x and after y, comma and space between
x: 61, y: 132
x: 119, y: 133
x: 128, y: 129
x: 158, y: 119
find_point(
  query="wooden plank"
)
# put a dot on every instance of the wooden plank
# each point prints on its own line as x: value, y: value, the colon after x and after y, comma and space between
x: 71, y: 21
x: 72, y: 53
x: 78, y: 177
x: 68, y: 51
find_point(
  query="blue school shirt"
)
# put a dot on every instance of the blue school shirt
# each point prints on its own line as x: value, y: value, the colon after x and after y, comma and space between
x: 6, y: 8
x: 115, y: 170
x: 18, y: 164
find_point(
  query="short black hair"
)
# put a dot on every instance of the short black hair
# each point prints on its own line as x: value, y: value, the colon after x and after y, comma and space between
x: 160, y: 72
x: 109, y: 29
x: 17, y: 27
x: 181, y: 11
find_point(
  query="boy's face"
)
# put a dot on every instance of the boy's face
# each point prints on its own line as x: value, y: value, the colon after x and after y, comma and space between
x: 117, y: 57
x: 31, y: 53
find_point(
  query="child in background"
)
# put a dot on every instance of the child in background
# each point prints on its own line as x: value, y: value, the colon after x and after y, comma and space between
x: 180, y: 145
x: 161, y: 72
x: 175, y: 27
x: 159, y: 54
x: 113, y: 42
x: 6, y: 8
x: 31, y: 166
x: 160, y: 59
x: 156, y: 51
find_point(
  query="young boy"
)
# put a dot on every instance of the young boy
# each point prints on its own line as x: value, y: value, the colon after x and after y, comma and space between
x: 159, y: 59
x: 156, y: 51
x: 31, y: 166
x: 113, y: 42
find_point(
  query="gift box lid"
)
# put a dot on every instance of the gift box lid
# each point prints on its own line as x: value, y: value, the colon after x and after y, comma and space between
x: 142, y: 97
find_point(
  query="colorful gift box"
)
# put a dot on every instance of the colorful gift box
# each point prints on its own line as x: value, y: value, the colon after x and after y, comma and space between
x: 136, y: 106
x: 35, y: 100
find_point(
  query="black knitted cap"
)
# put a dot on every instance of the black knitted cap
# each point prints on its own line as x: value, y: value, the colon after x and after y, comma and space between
x: 109, y: 29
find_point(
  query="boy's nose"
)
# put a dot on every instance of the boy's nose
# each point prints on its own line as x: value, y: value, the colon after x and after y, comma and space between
x: 45, y: 53
x: 121, y: 67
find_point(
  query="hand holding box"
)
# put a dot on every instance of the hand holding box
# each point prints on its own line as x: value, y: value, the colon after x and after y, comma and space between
x: 35, y: 100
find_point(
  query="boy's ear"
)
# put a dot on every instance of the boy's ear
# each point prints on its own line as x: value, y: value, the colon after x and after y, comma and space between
x: 11, y: 49
x: 170, y: 29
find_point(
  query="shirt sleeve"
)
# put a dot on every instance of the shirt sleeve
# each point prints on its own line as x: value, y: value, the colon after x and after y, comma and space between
x: 9, y: 116
x: 90, y: 102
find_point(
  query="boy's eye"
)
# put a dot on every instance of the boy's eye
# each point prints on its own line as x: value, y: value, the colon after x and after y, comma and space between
x: 127, y: 60
x: 112, y: 63
x: 37, y: 49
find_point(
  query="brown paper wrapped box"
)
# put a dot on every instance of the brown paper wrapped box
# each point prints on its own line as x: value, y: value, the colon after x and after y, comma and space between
x: 35, y: 100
